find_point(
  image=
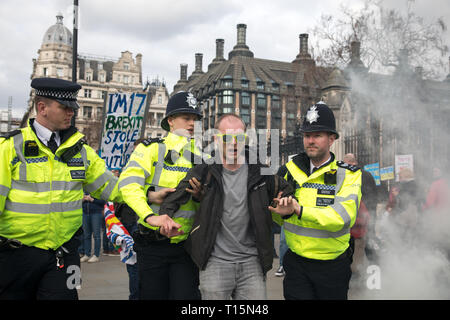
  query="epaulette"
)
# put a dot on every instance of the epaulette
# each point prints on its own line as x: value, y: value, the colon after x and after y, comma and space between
x: 149, y: 141
x: 10, y: 134
x: 350, y: 167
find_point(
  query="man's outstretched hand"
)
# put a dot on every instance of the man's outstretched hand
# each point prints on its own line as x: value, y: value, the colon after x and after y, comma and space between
x: 167, y: 227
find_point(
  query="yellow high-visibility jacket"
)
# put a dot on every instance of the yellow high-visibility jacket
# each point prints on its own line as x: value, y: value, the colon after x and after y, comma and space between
x: 330, y: 200
x: 159, y: 164
x: 41, y: 193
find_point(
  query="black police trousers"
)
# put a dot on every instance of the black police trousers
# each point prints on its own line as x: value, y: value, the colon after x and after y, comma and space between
x: 30, y: 273
x: 166, y: 271
x: 310, y: 279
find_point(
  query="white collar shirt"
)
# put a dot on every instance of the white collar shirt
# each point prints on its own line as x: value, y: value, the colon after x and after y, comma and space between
x: 311, y: 166
x: 44, y: 133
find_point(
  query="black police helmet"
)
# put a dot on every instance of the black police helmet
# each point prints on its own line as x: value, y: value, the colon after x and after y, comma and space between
x: 319, y: 117
x: 181, y: 102
x: 63, y: 91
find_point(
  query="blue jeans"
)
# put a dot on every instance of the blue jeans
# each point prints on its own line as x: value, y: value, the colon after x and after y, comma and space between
x: 283, y: 245
x: 92, y: 223
x: 239, y: 281
x: 132, y: 269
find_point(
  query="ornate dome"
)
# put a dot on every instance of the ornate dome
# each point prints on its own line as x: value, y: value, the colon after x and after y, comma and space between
x: 58, y: 33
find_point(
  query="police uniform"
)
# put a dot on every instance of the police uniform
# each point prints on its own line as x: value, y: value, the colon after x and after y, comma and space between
x: 318, y: 261
x: 166, y: 271
x: 41, y: 191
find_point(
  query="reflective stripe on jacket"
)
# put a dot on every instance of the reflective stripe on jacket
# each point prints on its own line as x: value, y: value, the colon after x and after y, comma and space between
x: 330, y: 199
x: 159, y: 165
x: 40, y: 195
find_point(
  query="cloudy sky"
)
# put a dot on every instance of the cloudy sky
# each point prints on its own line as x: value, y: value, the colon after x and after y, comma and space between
x: 165, y: 32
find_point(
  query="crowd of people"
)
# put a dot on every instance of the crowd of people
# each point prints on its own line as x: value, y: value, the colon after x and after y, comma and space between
x: 188, y: 225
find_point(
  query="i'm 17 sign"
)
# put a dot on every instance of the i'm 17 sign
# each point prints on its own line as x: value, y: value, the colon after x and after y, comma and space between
x: 123, y: 124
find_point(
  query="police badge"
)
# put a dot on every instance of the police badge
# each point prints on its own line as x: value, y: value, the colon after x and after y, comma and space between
x: 191, y: 101
x: 312, y: 115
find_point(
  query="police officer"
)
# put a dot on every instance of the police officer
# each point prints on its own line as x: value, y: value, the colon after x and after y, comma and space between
x: 327, y: 197
x: 166, y: 271
x: 44, y: 169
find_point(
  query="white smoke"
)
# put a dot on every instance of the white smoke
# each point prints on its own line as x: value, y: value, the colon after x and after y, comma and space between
x: 415, y: 243
x: 413, y: 261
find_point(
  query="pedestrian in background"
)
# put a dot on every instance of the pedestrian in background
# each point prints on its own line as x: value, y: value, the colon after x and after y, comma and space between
x: 364, y: 227
x: 437, y: 198
x: 92, y: 227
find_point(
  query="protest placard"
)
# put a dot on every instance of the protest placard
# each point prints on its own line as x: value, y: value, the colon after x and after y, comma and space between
x: 387, y: 173
x: 123, y: 124
x: 374, y: 169
x: 404, y: 164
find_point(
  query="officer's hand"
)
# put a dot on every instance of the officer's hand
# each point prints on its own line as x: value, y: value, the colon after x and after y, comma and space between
x: 285, y: 206
x: 196, y: 190
x: 87, y: 197
x: 158, y: 197
x: 167, y: 227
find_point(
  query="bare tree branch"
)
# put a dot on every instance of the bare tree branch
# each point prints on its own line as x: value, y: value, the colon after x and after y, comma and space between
x: 382, y: 33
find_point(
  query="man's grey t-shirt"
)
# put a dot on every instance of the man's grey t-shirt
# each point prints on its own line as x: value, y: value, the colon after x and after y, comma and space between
x: 235, y: 240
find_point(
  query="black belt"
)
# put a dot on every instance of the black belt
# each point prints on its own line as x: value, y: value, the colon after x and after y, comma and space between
x: 11, y: 243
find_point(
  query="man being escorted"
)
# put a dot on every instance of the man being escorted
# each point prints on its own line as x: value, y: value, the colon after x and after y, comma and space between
x: 327, y: 198
x: 231, y: 238
x: 44, y: 169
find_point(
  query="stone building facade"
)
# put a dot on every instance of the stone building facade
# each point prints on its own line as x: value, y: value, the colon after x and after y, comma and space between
x: 267, y: 94
x: 378, y: 116
x: 97, y: 75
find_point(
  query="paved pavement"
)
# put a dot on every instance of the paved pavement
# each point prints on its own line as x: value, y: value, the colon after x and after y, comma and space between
x: 108, y: 280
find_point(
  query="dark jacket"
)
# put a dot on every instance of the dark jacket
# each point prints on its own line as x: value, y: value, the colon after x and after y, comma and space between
x: 96, y: 206
x: 261, y: 191
x: 369, y: 192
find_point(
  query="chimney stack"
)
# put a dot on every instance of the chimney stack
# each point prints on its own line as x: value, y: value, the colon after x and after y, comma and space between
x: 241, y: 49
x: 198, y: 62
x: 219, y: 49
x: 183, y: 72
x: 219, y: 54
x: 304, y: 44
x: 304, y: 56
x: 355, y: 50
x: 241, y: 33
x: 139, y: 65
x: 355, y: 65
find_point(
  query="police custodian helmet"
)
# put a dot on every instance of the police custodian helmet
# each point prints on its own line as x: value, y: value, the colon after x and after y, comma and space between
x: 181, y: 102
x: 319, y: 117
x: 63, y: 91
